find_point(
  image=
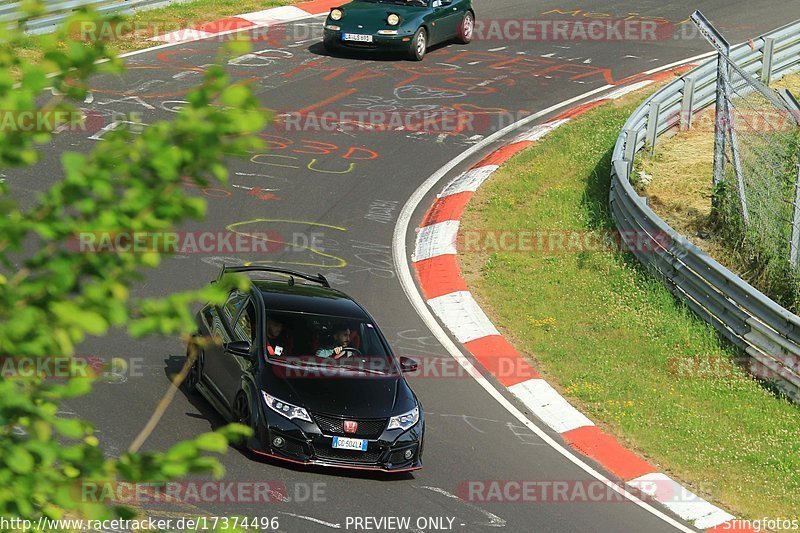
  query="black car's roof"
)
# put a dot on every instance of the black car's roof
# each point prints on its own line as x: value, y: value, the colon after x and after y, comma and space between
x: 306, y: 298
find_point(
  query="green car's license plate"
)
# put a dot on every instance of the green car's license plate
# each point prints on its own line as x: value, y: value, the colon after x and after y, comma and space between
x: 357, y: 37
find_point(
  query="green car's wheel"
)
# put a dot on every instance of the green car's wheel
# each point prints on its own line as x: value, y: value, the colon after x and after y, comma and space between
x: 467, y: 28
x: 419, y: 45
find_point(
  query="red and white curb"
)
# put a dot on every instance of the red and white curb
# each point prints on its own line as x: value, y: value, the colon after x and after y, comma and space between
x: 447, y: 295
x: 267, y: 17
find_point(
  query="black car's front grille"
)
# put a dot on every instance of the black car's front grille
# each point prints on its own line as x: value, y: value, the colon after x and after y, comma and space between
x: 349, y: 456
x: 367, y: 428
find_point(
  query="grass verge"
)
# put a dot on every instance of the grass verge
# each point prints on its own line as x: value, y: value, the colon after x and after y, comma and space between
x: 615, y: 342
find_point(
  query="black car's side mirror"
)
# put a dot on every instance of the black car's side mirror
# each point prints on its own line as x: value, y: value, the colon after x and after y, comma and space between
x: 408, y: 365
x: 240, y: 348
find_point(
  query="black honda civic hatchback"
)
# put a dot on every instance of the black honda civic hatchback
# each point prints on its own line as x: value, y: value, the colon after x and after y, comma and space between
x: 308, y: 369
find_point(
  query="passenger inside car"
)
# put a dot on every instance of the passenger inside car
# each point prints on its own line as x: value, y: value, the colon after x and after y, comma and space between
x: 279, y: 339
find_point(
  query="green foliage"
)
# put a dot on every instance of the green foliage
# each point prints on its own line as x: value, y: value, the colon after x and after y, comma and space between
x: 762, y: 248
x: 51, y: 297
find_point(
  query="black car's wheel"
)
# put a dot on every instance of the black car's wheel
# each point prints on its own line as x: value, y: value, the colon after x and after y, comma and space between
x: 419, y: 45
x: 241, y: 410
x: 195, y: 374
x: 466, y: 29
x: 242, y: 415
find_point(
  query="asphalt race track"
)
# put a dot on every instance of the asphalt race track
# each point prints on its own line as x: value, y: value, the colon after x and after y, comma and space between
x: 345, y: 189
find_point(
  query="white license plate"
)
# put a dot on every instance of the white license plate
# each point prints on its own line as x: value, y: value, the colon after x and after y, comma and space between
x: 344, y: 443
x: 357, y: 37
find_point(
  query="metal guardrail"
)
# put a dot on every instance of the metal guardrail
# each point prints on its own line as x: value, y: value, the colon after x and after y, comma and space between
x: 59, y: 10
x: 767, y: 332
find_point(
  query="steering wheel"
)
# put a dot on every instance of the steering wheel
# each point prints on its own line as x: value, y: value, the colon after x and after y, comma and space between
x: 350, y: 351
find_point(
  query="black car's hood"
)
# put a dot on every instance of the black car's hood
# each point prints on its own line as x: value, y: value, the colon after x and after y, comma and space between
x: 347, y: 394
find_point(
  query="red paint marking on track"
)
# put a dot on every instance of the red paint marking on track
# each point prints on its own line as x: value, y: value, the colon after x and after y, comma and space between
x: 447, y: 208
x: 164, y: 57
x: 316, y: 7
x: 501, y: 155
x: 327, y: 101
x: 606, y: 450
x: 579, y: 110
x: 502, y: 360
x: 439, y: 275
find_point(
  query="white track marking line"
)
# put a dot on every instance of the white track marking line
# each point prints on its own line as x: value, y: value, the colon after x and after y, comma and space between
x: 403, y: 270
x: 312, y: 519
x: 494, y: 520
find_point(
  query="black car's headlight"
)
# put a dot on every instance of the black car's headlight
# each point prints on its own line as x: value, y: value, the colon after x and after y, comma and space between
x: 404, y: 421
x: 393, y: 20
x: 336, y: 14
x: 286, y: 409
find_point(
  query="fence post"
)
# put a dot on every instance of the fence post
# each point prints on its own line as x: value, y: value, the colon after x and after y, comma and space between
x: 687, y: 105
x: 719, y: 125
x: 766, y: 62
x: 652, y: 126
x: 791, y: 102
x: 737, y: 169
x: 794, y: 248
x: 631, y: 137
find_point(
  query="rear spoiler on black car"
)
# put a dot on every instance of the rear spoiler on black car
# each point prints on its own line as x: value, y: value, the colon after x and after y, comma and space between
x: 319, y: 278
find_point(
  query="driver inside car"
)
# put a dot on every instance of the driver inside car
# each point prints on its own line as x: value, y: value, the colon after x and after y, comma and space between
x: 338, y: 345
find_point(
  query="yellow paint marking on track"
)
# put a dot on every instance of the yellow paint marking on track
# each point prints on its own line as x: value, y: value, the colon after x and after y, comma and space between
x: 340, y: 263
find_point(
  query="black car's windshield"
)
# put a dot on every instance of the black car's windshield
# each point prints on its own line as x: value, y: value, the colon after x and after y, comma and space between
x: 323, y: 341
x: 417, y: 3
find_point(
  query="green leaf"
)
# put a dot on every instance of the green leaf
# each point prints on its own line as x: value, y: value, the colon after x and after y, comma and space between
x: 69, y: 427
x: 19, y: 460
x: 212, y: 442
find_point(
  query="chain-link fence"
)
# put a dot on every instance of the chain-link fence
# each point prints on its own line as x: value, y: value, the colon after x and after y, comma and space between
x: 757, y: 187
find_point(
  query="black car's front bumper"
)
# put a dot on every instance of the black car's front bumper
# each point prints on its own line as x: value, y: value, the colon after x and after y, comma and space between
x: 305, y: 443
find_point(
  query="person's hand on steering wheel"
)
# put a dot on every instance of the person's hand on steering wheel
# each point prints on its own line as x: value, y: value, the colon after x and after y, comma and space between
x: 340, y: 351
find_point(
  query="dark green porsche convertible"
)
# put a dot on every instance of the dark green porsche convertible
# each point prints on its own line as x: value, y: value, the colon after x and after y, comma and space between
x: 410, y: 26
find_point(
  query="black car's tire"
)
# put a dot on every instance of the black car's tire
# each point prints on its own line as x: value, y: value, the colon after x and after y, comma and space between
x: 466, y: 30
x: 241, y: 410
x: 242, y: 415
x: 195, y: 374
x: 419, y: 45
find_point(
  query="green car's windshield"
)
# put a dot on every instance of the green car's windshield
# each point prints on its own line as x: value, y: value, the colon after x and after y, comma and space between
x: 416, y: 3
